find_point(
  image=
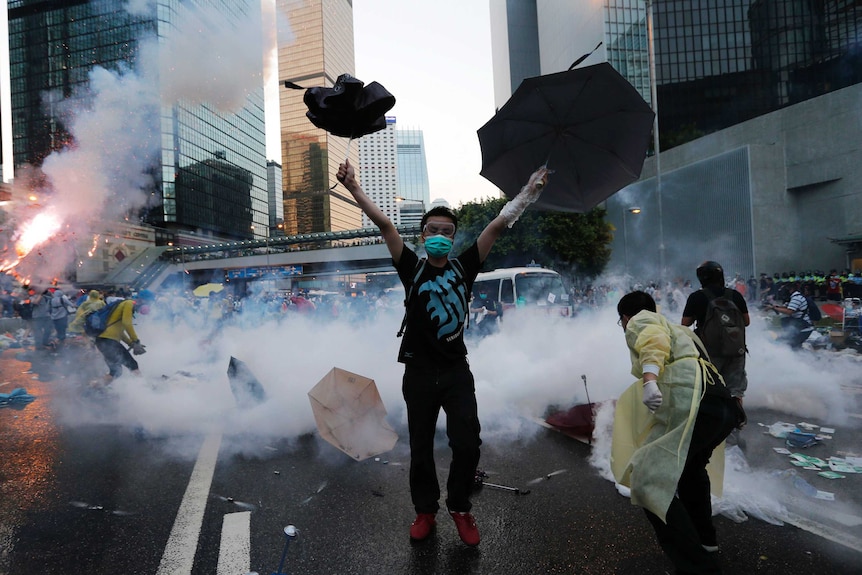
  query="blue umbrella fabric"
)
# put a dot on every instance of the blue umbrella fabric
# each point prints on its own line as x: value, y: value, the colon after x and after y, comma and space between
x: 588, y: 125
x: 349, y: 109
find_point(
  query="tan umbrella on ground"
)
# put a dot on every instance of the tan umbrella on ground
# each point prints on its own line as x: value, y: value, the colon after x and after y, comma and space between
x: 206, y: 289
x: 350, y: 414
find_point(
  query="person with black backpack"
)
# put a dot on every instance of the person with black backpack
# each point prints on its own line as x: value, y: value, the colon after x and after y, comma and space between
x: 436, y: 373
x: 721, y: 316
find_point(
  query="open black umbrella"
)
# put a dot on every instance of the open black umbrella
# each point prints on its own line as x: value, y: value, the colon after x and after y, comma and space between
x: 588, y: 125
x: 350, y: 108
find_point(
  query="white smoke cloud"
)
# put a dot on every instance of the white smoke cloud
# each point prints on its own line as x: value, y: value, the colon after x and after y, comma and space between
x: 106, y: 170
x: 210, y: 58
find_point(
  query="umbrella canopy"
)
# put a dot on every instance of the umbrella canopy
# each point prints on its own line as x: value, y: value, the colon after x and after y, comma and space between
x: 588, y: 125
x: 207, y: 289
x: 350, y: 414
x: 350, y: 108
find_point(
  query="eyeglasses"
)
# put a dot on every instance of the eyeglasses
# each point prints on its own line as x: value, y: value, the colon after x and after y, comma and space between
x: 440, y: 229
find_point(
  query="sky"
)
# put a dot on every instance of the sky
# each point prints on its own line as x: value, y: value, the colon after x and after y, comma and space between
x: 435, y: 58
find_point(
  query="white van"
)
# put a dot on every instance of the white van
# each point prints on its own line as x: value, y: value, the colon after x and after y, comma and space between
x: 527, y: 287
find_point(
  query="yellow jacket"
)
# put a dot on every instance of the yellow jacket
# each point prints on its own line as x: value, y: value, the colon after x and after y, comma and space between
x: 92, y: 303
x: 649, y: 450
x: 120, y: 326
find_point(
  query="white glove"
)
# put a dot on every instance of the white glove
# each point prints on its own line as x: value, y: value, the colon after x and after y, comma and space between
x: 529, y: 194
x: 652, y: 396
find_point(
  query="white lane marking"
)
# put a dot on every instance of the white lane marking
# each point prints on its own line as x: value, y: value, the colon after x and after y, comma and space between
x: 179, y: 555
x: 234, y: 557
x: 824, y: 531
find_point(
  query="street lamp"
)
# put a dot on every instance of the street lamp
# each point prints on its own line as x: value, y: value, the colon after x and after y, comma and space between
x: 632, y: 210
x: 411, y: 212
x: 653, y: 81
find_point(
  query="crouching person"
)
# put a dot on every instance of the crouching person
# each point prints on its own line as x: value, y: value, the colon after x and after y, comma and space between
x: 119, y: 331
x: 666, y: 426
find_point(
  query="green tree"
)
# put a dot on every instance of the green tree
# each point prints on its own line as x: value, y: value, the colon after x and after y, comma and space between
x: 573, y: 244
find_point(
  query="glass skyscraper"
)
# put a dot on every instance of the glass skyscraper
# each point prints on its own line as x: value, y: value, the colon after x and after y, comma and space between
x: 320, y: 50
x: 413, y: 181
x: 718, y: 62
x: 210, y: 175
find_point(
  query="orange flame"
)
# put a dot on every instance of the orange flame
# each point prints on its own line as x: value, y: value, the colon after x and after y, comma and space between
x: 36, y: 231
x: 33, y: 233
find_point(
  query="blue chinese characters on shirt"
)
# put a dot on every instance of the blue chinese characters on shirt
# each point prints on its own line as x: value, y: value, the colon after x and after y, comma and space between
x: 447, y: 303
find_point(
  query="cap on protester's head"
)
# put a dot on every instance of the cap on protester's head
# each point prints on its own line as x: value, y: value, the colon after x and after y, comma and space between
x: 710, y: 273
x: 146, y: 295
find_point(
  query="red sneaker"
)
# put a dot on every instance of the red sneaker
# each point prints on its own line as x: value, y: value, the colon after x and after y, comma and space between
x: 422, y: 526
x: 467, y: 529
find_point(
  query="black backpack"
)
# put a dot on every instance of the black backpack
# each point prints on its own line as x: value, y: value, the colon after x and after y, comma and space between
x: 723, y: 328
x: 813, y: 311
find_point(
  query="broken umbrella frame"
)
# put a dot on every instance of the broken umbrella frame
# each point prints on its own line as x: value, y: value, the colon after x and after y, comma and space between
x: 479, y: 482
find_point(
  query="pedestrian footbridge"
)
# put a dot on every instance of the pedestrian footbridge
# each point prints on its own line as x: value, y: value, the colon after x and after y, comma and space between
x: 318, y: 254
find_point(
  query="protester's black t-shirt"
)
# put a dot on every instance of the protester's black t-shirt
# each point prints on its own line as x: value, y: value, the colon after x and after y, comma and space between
x: 434, y: 335
x: 698, y: 301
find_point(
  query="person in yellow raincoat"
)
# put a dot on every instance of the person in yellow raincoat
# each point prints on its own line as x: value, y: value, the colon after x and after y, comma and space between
x: 93, y: 303
x: 666, y: 427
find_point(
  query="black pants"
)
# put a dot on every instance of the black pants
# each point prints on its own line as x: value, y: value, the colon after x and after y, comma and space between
x: 116, y: 356
x: 689, y: 517
x: 425, y: 391
x: 795, y: 331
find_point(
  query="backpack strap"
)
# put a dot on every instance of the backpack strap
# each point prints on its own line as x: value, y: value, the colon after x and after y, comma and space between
x: 459, y: 273
x: 408, y: 293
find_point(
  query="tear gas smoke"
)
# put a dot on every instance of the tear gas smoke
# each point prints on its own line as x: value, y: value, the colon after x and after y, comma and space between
x: 105, y: 171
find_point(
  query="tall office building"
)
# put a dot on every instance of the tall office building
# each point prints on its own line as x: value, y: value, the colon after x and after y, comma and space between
x: 413, y: 184
x: 534, y: 37
x: 210, y: 172
x: 412, y: 165
x: 275, y: 196
x: 717, y: 63
x: 378, y: 172
x: 319, y: 50
x: 761, y: 72
x: 6, y: 170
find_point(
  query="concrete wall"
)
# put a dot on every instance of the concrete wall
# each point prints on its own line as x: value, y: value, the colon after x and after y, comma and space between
x: 805, y: 169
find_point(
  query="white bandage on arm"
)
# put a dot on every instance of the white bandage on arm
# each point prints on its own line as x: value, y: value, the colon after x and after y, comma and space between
x: 528, y: 194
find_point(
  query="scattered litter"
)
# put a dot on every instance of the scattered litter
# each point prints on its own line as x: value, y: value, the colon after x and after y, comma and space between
x: 796, y: 439
x: 781, y: 450
x: 808, y: 460
x: 831, y: 475
x: 18, y: 397
x: 546, y: 477
x: 843, y: 466
x: 803, y: 486
x: 827, y: 430
x: 808, y: 426
x: 240, y: 504
x: 277, y: 472
x: 779, y: 429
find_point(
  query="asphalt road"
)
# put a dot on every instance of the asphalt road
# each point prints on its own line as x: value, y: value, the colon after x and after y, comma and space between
x: 97, y: 498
